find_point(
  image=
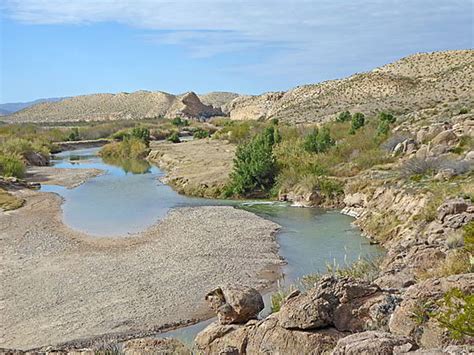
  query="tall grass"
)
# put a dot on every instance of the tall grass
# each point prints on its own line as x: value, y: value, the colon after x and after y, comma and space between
x: 131, y: 148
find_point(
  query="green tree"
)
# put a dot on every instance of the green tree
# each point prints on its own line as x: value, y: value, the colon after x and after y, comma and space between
x: 318, y: 141
x: 74, y: 135
x: 388, y: 117
x: 385, y: 119
x: 254, y: 165
x: 358, y: 121
x: 141, y: 133
x: 344, y: 116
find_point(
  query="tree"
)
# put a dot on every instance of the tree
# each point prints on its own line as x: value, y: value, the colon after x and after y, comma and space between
x: 358, y: 121
x: 384, y: 116
x: 318, y: 141
x: 344, y: 116
x: 384, y: 125
x: 74, y: 135
x: 141, y: 133
x: 254, y: 165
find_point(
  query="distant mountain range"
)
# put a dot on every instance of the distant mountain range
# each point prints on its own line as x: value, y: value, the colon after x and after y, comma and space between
x: 437, y: 81
x: 12, y: 107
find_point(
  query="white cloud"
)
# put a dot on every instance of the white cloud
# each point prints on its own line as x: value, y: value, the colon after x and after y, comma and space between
x: 301, y: 34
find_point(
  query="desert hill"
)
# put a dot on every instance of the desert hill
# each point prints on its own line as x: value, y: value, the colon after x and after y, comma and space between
x: 437, y: 80
x: 441, y: 82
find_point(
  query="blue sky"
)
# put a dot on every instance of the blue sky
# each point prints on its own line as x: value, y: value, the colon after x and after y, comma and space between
x: 63, y: 48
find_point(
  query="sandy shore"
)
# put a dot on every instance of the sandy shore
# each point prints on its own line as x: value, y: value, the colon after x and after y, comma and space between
x: 60, y: 285
x: 69, y: 178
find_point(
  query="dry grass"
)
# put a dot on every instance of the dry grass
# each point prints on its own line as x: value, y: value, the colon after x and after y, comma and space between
x: 9, y: 201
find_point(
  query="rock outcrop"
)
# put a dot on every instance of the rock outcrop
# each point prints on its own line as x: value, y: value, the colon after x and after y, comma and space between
x: 373, y: 342
x: 235, y: 304
x: 412, y: 318
x: 189, y: 106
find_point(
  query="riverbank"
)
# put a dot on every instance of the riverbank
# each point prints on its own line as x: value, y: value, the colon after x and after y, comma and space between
x: 199, y: 167
x: 122, y: 287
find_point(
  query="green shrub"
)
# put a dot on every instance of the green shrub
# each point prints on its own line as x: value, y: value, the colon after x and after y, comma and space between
x: 456, y: 313
x: 74, y: 135
x: 254, y: 165
x: 179, y: 122
x: 463, y: 111
x: 11, y: 166
x: 141, y: 133
x: 130, y: 148
x: 318, y: 141
x: 357, y: 122
x: 201, y: 134
x: 344, y: 117
x: 174, y: 138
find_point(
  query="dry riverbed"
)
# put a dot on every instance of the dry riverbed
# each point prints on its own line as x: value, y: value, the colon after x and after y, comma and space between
x: 60, y: 285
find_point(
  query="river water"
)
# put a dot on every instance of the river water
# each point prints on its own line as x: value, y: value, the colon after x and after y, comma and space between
x: 129, y: 197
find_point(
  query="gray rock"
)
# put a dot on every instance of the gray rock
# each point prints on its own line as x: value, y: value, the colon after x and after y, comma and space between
x: 372, y: 342
x: 235, y: 304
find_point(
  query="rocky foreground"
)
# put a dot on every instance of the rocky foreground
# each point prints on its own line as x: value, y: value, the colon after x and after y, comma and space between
x: 59, y: 285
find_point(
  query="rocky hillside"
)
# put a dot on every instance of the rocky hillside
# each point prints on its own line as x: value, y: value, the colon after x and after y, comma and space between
x: 124, y: 106
x: 439, y: 81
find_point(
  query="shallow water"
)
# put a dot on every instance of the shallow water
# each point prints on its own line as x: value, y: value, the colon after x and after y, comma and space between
x: 129, y: 198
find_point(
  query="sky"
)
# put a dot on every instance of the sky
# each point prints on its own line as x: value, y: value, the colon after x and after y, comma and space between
x: 55, y: 48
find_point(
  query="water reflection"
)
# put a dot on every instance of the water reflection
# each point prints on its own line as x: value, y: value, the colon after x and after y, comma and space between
x: 134, y: 166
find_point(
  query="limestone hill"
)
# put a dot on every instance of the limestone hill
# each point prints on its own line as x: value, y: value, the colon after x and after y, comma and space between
x: 123, y: 106
x: 441, y: 81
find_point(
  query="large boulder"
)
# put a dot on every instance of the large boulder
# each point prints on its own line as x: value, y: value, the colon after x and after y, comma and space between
x: 158, y: 346
x: 235, y: 304
x: 344, y: 303
x: 373, y: 342
x: 445, y: 138
x: 412, y: 318
x: 268, y: 337
x: 223, y: 339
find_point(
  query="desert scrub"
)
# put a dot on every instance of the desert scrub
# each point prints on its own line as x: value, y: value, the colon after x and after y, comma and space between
x: 201, y: 134
x: 130, y: 148
x: 11, y: 165
x: 9, y: 202
x: 174, y: 138
x: 455, y: 312
x: 382, y: 226
x: 456, y: 262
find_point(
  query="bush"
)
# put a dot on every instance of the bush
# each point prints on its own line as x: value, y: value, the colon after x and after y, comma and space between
x: 318, y: 141
x: 201, y: 134
x: 130, y: 148
x: 141, y: 133
x: 254, y: 165
x: 174, y: 138
x: 456, y: 313
x: 179, y: 122
x: 11, y: 166
x: 358, y: 121
x: 344, y: 117
x: 74, y: 135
